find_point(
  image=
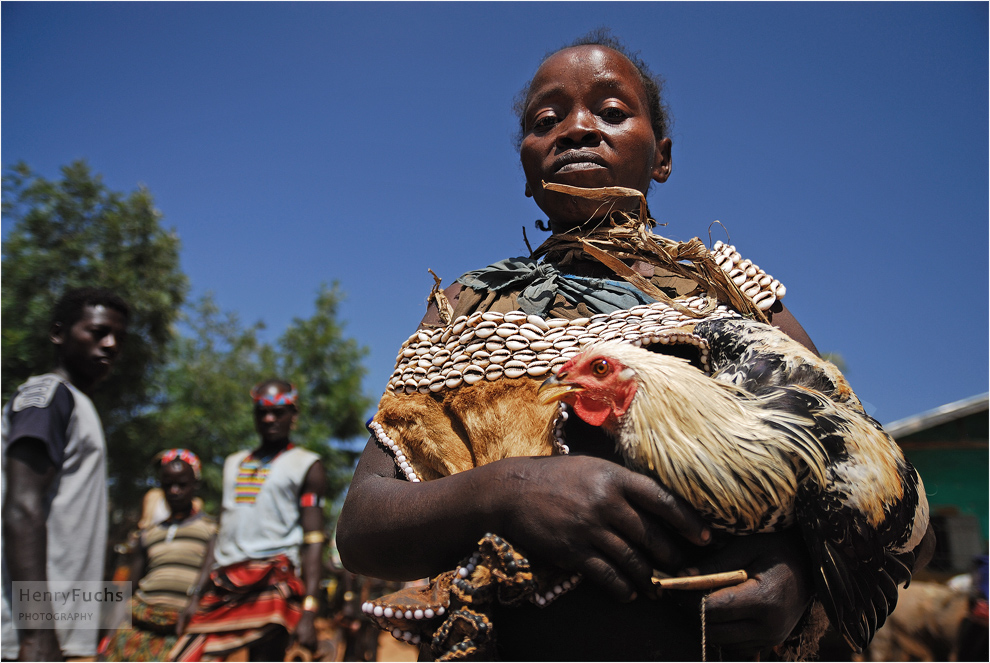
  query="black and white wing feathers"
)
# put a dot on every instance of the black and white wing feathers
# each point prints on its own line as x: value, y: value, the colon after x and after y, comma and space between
x: 863, y: 523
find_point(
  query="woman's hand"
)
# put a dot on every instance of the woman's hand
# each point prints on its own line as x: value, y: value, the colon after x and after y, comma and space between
x: 761, y: 612
x: 597, y: 518
x: 579, y: 513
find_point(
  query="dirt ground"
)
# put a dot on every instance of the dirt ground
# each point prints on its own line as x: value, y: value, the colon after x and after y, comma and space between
x: 390, y: 649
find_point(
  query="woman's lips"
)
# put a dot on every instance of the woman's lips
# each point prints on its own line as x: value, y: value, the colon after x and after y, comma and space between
x: 577, y: 160
x: 579, y: 165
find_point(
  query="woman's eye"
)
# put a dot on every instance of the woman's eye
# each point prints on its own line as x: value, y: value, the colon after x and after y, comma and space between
x: 545, y: 121
x: 612, y: 114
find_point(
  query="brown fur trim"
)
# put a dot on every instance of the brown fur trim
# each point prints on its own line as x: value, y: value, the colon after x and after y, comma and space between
x: 456, y: 430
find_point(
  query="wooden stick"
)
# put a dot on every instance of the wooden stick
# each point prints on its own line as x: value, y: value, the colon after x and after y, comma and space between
x: 712, y: 581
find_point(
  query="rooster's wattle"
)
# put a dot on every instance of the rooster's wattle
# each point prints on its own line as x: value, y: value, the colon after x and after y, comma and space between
x: 770, y: 437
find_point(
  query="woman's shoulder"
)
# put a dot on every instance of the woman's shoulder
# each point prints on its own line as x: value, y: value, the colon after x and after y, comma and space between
x: 206, y: 523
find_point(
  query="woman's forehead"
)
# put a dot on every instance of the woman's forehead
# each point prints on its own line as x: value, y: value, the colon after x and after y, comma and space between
x: 598, y: 65
x: 176, y: 469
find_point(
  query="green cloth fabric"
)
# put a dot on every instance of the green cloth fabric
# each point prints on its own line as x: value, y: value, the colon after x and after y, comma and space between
x: 538, y: 284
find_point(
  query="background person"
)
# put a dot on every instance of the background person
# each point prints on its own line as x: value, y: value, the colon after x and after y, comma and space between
x: 166, y: 564
x: 271, y: 527
x: 54, y: 469
x: 973, y: 639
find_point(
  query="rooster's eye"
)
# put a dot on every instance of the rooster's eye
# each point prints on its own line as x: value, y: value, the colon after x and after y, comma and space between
x: 600, y: 367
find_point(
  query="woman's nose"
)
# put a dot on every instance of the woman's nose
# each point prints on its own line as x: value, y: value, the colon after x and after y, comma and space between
x: 579, y: 128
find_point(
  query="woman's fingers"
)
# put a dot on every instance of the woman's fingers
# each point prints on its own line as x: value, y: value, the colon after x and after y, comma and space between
x: 593, y: 516
x: 602, y: 571
x: 675, y: 513
x: 763, y: 611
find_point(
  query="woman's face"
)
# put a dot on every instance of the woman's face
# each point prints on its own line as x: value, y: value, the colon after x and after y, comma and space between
x: 178, y: 482
x: 587, y: 124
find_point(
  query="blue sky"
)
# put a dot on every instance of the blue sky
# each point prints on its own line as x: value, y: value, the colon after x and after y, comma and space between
x: 843, y: 145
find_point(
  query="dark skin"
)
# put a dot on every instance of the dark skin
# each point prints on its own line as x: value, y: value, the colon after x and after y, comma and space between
x: 179, y: 483
x: 86, y: 351
x: 586, y: 124
x: 274, y: 424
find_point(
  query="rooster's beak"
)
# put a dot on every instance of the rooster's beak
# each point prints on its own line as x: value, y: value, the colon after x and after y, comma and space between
x: 553, y: 390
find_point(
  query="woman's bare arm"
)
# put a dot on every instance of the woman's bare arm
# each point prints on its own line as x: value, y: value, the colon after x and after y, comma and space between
x: 583, y: 514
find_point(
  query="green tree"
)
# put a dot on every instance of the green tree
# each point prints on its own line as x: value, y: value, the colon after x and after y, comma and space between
x: 836, y: 359
x: 72, y: 232
x: 326, y: 367
x: 203, y: 401
x: 200, y: 403
x: 169, y: 389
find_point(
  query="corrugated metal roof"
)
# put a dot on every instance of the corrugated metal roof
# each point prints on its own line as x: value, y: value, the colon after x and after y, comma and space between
x: 938, y: 416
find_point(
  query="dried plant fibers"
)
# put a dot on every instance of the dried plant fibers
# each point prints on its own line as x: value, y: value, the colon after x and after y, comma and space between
x: 627, y: 237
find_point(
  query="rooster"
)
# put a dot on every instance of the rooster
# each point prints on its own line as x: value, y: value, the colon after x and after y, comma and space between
x: 772, y: 437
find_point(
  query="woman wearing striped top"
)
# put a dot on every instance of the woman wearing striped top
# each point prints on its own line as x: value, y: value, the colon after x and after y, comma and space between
x: 166, y: 565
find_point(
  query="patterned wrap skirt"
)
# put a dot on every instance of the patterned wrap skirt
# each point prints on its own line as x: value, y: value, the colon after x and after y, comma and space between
x: 150, y: 638
x: 245, y: 603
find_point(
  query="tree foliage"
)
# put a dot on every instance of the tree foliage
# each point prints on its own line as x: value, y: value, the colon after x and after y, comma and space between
x: 185, y: 373
x: 836, y: 359
x: 200, y: 402
x: 204, y: 391
x: 326, y: 367
x: 73, y: 232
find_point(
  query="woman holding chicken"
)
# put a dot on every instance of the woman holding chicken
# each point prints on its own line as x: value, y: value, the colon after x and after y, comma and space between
x: 462, y: 448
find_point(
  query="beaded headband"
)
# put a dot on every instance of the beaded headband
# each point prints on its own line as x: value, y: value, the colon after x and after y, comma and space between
x: 184, y: 455
x: 278, y: 398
